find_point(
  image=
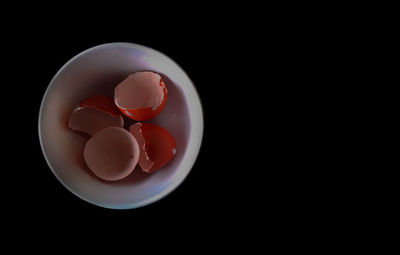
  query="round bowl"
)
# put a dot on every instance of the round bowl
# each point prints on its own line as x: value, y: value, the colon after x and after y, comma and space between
x: 96, y: 71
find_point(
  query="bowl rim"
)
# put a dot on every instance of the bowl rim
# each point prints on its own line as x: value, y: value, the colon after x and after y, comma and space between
x: 174, y: 184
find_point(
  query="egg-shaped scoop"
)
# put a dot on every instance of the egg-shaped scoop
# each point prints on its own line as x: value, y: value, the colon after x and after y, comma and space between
x: 112, y: 153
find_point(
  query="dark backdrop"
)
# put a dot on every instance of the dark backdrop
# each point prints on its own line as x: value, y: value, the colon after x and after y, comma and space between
x: 264, y: 76
x: 42, y: 50
x: 221, y: 193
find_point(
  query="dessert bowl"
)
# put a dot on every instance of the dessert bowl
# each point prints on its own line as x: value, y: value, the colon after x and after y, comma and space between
x: 96, y: 71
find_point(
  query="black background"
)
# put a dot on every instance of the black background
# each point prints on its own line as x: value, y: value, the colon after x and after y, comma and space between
x: 269, y: 80
x: 252, y: 72
x: 234, y: 66
x: 212, y: 189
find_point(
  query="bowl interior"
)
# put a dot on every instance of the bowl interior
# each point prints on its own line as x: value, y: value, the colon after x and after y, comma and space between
x: 96, y: 72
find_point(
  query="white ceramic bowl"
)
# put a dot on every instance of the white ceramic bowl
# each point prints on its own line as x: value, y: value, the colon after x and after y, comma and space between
x: 97, y: 71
